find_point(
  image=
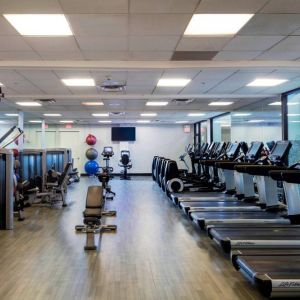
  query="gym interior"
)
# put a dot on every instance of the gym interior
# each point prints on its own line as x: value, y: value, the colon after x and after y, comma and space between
x: 149, y: 149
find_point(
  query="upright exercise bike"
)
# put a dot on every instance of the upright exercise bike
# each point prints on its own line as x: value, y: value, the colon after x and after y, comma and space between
x: 125, y: 162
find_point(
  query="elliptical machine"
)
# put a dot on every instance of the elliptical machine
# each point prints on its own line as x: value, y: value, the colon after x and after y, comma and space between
x: 125, y: 162
x: 106, y: 175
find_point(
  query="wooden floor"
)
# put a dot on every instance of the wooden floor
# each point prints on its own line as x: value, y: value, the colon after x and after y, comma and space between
x: 156, y: 254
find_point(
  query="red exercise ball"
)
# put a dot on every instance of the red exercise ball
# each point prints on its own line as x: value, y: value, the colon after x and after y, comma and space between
x: 15, y: 152
x: 91, y: 140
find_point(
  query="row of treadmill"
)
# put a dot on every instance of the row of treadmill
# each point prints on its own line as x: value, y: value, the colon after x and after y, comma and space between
x: 247, y: 199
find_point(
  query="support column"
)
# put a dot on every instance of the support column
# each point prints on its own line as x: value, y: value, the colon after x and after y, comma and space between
x: 43, y: 135
x: 21, y: 126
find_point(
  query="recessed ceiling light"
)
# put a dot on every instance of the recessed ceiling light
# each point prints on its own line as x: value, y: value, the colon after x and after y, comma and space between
x: 66, y: 121
x: 277, y: 103
x: 143, y: 121
x: 216, y: 24
x: 31, y: 103
x: 242, y: 115
x: 196, y: 114
x: 79, y: 82
x: 92, y: 103
x: 100, y: 114
x: 181, y: 122
x: 266, y: 82
x: 35, y: 121
x: 293, y: 103
x: 173, y: 82
x: 104, y: 121
x: 221, y: 122
x: 220, y: 103
x: 52, y: 115
x: 294, y: 121
x: 225, y: 125
x: 114, y: 104
x: 40, y: 24
x: 148, y: 114
x: 293, y: 115
x: 2, y: 122
x: 12, y: 115
x: 256, y: 121
x: 1, y: 84
x: 156, y: 103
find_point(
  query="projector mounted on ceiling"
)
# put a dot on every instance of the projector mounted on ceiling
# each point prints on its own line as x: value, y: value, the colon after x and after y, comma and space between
x: 110, y: 85
x: 182, y: 101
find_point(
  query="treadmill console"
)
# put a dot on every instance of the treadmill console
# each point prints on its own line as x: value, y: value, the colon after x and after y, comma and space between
x: 233, y: 151
x: 254, y: 151
x: 280, y: 152
x: 107, y: 151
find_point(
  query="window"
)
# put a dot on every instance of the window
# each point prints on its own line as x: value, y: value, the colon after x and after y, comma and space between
x: 222, y: 128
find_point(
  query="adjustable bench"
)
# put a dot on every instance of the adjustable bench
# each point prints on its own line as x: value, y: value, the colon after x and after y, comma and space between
x: 94, y: 210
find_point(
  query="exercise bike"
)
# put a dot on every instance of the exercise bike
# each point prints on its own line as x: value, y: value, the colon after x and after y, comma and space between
x: 125, y: 163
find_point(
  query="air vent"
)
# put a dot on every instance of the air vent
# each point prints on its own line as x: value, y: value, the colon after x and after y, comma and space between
x: 46, y: 101
x: 110, y: 85
x: 182, y: 101
x: 117, y: 113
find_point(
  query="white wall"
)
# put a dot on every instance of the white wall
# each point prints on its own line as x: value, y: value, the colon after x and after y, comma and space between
x: 164, y: 140
x: 256, y: 133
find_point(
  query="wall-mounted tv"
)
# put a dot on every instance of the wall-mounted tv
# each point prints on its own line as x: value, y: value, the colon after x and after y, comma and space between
x: 122, y: 134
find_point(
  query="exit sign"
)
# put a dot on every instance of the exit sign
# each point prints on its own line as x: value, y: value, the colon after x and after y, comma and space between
x: 68, y: 126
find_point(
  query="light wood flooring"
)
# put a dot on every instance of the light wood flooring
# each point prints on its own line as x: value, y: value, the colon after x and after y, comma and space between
x: 156, y: 254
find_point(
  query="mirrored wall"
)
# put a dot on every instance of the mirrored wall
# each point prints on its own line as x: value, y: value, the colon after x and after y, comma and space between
x: 222, y: 128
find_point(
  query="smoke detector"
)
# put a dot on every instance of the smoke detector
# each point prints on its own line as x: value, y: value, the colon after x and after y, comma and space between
x: 182, y: 101
x: 110, y: 85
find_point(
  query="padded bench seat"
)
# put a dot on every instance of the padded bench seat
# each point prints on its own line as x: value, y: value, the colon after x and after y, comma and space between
x: 92, y: 212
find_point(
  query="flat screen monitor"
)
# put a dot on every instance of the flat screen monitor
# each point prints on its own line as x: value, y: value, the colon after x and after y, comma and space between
x: 255, y: 147
x: 123, y: 134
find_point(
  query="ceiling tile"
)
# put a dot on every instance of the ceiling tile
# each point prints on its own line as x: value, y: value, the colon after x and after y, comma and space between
x: 139, y: 89
x: 14, y: 43
x: 95, y: 6
x: 60, y: 55
x: 24, y: 87
x: 213, y: 74
x: 181, y: 73
x: 99, y: 24
x: 52, y: 43
x: 150, y: 55
x: 30, y: 6
x: 159, y: 6
x: 230, y: 6
x: 153, y: 43
x: 105, y: 55
x: 100, y: 76
x: 158, y: 24
x: 37, y: 75
x: 193, y: 55
x: 83, y: 90
x: 278, y: 55
x: 252, y: 43
x: 142, y: 78
x: 236, y: 55
x: 202, y: 43
x: 197, y: 87
x: 271, y: 24
x: 72, y: 74
x: 6, y: 28
x: 282, y: 6
x: 291, y: 43
x: 92, y: 43
x: 19, y: 55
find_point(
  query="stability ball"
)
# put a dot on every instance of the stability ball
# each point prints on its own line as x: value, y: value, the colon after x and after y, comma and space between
x: 15, y: 152
x: 91, y: 140
x: 91, y: 154
x: 91, y: 167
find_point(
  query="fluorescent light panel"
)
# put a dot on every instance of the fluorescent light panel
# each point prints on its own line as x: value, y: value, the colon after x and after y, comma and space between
x: 196, y: 114
x: 256, y: 121
x: 104, y: 121
x: 173, y: 82
x: 242, y: 115
x: 52, y: 115
x: 181, y: 122
x: 276, y: 103
x: 143, y: 121
x: 148, y: 114
x: 29, y: 103
x: 266, y: 82
x: 79, y: 82
x: 35, y: 121
x: 293, y: 115
x: 216, y: 24
x: 100, y: 114
x: 40, y: 24
x: 220, y: 103
x: 92, y: 103
x: 66, y: 121
x: 156, y: 103
x: 1, y: 84
x: 12, y: 115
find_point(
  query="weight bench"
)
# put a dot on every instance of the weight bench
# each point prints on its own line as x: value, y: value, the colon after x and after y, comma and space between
x: 55, y: 192
x: 94, y: 210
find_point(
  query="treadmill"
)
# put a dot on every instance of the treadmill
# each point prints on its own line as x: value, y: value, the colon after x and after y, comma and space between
x: 232, y: 154
x: 267, y: 189
x: 245, y: 193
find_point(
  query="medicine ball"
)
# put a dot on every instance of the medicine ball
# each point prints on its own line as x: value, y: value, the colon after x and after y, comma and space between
x: 91, y: 140
x: 91, y: 153
x: 91, y: 167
